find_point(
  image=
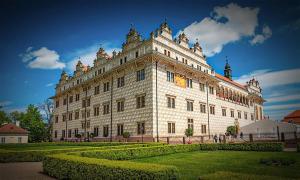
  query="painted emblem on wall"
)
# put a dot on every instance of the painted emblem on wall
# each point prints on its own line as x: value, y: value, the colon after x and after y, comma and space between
x: 180, y: 80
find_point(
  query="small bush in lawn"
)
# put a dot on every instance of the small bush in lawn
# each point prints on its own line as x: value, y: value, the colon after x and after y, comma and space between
x: 277, y: 161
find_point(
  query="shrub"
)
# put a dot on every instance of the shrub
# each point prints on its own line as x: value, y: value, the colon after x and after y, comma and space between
x: 133, y: 153
x: 231, y: 130
x: 274, y: 161
x: 38, y: 155
x: 64, y: 166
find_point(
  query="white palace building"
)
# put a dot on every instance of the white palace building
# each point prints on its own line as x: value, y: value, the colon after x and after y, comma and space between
x: 157, y: 87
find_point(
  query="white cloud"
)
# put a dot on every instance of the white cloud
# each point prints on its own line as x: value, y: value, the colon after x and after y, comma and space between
x: 280, y: 89
x: 42, y: 58
x: 49, y: 84
x: 226, y: 25
x: 260, y: 38
x: 87, y: 55
x: 268, y: 78
x: 282, y: 106
x: 283, y: 98
x: 5, y: 103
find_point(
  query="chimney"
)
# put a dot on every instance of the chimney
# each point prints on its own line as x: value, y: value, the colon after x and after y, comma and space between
x: 18, y: 123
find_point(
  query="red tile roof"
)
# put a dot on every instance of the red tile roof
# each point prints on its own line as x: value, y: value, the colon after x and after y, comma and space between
x: 230, y: 81
x: 293, y: 114
x: 293, y: 117
x: 12, y: 129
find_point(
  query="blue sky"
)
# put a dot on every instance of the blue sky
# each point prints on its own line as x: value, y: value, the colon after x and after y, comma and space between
x: 40, y: 38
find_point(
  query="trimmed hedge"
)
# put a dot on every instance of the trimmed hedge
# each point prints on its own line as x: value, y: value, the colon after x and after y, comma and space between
x: 298, y: 147
x: 38, y: 155
x: 64, y: 166
x: 133, y: 153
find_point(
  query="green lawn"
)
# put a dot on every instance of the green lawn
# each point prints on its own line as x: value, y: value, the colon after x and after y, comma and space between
x: 229, y: 165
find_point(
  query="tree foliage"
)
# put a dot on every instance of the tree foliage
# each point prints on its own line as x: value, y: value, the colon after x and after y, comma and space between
x: 32, y: 121
x: 231, y: 130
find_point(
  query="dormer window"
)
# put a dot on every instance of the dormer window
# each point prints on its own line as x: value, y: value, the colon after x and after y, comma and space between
x: 136, y: 54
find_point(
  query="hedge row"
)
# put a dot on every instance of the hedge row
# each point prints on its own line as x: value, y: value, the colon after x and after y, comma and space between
x: 66, y: 144
x: 38, y: 155
x: 63, y: 166
x: 133, y: 153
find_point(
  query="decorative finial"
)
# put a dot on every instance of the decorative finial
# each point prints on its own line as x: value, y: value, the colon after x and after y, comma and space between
x: 197, y: 40
x: 165, y: 20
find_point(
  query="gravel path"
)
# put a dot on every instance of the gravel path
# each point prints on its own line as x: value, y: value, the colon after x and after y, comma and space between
x: 22, y: 171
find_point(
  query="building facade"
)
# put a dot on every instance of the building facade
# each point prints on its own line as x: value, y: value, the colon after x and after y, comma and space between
x: 11, y: 133
x: 157, y: 87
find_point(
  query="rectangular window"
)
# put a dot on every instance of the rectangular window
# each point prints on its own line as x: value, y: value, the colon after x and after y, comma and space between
x: 212, y: 109
x: 106, y: 108
x: 191, y: 124
x: 189, y: 105
x: 169, y: 53
x: 136, y: 54
x: 97, y: 90
x: 202, y: 87
x: 63, y: 134
x: 239, y: 114
x: 202, y: 108
x: 76, y: 114
x: 140, y: 75
x: 165, y: 52
x: 125, y: 59
x: 77, y: 97
x: 120, y: 106
x: 203, y: 129
x: 121, y: 61
x: 65, y: 101
x: 64, y: 117
x: 70, y: 99
x: 211, y: 90
x: 69, y: 133
x: 87, y: 125
x: 141, y: 128
x: 121, y: 82
x: 96, y: 131
x: 96, y: 111
x: 70, y: 116
x: 56, y: 119
x: 2, y: 139
x: 223, y: 112
x: 105, y: 131
x: 252, y: 116
x: 140, y: 101
x: 19, y: 139
x: 189, y: 83
x: 55, y: 134
x: 171, y: 127
x: 106, y: 87
x: 231, y: 113
x: 170, y: 76
x: 57, y: 104
x: 171, y: 102
x: 76, y: 131
x: 120, y: 129
x: 245, y: 115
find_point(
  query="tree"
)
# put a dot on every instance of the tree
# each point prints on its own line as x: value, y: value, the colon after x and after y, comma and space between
x: 189, y: 132
x: 4, y: 118
x: 231, y: 130
x: 32, y: 121
x: 16, y: 116
x: 47, y: 108
x: 126, y: 135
